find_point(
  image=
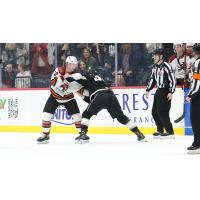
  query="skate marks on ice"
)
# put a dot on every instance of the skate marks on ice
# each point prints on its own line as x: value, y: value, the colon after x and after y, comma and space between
x: 25, y: 143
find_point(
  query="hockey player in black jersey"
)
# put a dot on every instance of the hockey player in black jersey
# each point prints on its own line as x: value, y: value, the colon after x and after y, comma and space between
x: 100, y: 97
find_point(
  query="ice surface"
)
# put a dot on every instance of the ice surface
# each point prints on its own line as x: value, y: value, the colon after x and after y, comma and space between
x: 109, y: 167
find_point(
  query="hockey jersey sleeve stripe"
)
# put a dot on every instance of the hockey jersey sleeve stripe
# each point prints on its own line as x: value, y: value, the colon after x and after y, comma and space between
x: 57, y: 96
x: 70, y: 79
x: 80, y: 91
x: 78, y: 78
x: 65, y: 97
x: 53, y: 81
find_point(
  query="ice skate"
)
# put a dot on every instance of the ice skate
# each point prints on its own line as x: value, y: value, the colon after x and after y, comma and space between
x: 167, y: 136
x: 43, y: 139
x: 193, y: 150
x: 140, y: 135
x: 157, y: 134
x: 141, y: 138
x: 82, y: 138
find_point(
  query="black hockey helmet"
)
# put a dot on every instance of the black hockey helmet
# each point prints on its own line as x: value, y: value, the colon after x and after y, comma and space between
x: 196, y: 48
x: 93, y: 72
x: 159, y: 51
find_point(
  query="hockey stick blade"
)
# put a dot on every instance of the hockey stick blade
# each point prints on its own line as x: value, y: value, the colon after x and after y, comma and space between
x: 179, y: 119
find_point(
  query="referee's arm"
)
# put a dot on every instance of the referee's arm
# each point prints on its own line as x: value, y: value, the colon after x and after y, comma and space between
x: 152, y: 81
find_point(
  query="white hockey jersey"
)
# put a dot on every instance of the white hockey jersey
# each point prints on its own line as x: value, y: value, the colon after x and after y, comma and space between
x: 178, y: 64
x: 62, y: 90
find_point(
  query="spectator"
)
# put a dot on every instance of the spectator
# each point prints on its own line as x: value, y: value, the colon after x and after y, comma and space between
x: 21, y: 54
x: 11, y: 50
x: 1, y: 49
x: 168, y: 49
x: 82, y: 67
x: 137, y: 57
x: 8, y: 77
x: 63, y: 50
x: 23, y: 78
x: 4, y: 56
x: 51, y: 54
x: 1, y: 67
x: 181, y: 64
x: 59, y: 55
x: 140, y: 59
x: 125, y: 64
x: 108, y: 55
x: 40, y: 64
x: 107, y: 74
x: 189, y: 49
x: 79, y: 49
x: 90, y: 61
x: 190, y: 54
x: 97, y: 50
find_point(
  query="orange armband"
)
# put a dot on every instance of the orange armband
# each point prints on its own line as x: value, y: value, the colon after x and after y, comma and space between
x: 196, y: 76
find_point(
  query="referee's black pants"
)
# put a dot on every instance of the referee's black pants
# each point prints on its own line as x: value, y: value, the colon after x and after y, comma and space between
x: 195, y: 119
x: 160, y: 111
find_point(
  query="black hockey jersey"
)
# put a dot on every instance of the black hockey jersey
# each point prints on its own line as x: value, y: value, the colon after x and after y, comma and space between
x: 91, y: 82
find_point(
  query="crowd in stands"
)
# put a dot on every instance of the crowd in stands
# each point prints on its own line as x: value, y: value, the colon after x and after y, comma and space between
x: 25, y: 65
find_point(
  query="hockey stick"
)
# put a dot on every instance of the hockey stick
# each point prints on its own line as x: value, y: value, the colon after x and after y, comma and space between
x: 182, y: 116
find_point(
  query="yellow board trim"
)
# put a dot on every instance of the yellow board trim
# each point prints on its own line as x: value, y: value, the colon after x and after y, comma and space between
x: 92, y: 130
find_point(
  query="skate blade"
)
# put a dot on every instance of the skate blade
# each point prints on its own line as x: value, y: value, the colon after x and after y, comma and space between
x: 156, y: 137
x: 167, y: 137
x: 143, y: 140
x: 194, y: 151
x: 44, y: 142
x: 82, y: 141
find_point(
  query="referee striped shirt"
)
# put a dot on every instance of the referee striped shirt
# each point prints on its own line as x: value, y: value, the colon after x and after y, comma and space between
x: 195, y: 88
x: 162, y: 76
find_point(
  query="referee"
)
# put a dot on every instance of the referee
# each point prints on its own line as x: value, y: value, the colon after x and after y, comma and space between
x: 194, y: 98
x: 163, y: 77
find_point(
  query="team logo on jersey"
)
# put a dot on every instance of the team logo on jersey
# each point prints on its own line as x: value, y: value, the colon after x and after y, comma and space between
x: 64, y: 87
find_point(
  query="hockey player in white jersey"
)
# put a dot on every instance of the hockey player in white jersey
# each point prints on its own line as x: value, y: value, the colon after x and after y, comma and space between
x: 61, y: 94
x: 181, y: 63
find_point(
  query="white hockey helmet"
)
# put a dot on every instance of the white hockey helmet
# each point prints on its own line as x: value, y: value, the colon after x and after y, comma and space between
x: 189, y: 44
x: 71, y: 59
x: 177, y: 44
